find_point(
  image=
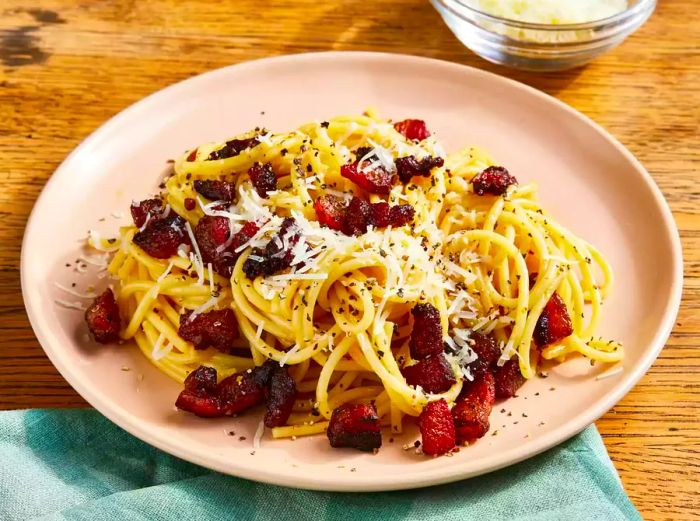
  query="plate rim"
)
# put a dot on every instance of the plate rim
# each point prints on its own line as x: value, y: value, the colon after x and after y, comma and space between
x: 357, y: 483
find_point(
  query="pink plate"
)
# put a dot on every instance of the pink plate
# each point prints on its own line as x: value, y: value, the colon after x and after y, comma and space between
x: 588, y: 180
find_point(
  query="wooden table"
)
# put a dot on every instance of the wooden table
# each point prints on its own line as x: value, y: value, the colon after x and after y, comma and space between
x: 68, y: 65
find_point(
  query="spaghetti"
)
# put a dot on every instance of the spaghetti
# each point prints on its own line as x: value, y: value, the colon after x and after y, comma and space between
x: 338, y: 315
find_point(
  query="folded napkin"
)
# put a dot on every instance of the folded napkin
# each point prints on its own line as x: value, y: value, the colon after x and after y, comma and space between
x: 77, y: 465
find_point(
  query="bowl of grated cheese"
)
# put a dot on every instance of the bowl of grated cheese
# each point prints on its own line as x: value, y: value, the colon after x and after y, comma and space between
x: 543, y: 35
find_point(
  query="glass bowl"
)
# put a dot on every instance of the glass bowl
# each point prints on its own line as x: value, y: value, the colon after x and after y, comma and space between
x: 540, y: 47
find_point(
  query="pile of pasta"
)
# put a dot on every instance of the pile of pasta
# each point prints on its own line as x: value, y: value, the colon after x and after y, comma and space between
x: 340, y: 319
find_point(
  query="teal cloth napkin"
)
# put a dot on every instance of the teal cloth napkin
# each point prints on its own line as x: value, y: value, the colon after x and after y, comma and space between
x: 77, y: 465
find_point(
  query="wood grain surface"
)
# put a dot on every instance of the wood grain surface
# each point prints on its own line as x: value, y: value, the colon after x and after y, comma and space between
x: 68, y: 65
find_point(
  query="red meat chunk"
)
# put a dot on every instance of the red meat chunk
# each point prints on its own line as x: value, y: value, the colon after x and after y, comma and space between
x: 233, y: 148
x: 280, y: 397
x: 437, y: 428
x: 494, y: 180
x: 433, y: 373
x: 239, y: 392
x: 203, y: 406
x: 210, y: 233
x: 401, y: 214
x: 554, y: 323
x: 216, y: 190
x: 508, y: 379
x: 382, y: 215
x: 426, y: 337
x: 331, y: 211
x: 409, y: 166
x: 379, y: 215
x: 375, y: 181
x: 202, y: 381
x: 200, y: 395
x: 473, y: 407
x: 203, y: 397
x: 275, y: 257
x: 217, y: 328
x: 146, y: 211
x: 488, y: 352
x: 161, y: 238
x: 103, y: 319
x: 263, y: 178
x: 356, y: 217
x: 355, y: 426
x: 412, y: 129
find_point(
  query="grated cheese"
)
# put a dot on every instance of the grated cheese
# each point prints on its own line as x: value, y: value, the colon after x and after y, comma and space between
x: 166, y: 271
x: 70, y: 305
x: 197, y: 261
x: 259, y: 434
x: 289, y: 353
x: 89, y: 294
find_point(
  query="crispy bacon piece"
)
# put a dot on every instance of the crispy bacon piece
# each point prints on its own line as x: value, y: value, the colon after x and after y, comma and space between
x: 353, y: 218
x: 437, y: 428
x: 192, y: 155
x: 473, y: 407
x: 379, y: 214
x: 426, y: 337
x: 383, y: 215
x: 401, y: 214
x: 412, y: 129
x: 103, y: 318
x: 203, y: 397
x: 433, y: 373
x: 281, y: 394
x: 355, y: 426
x: 212, y: 233
x: 217, y: 328
x: 409, y: 166
x: 488, y: 352
x: 277, y: 254
x: 508, y: 379
x: 161, y: 238
x: 331, y: 211
x: 202, y: 381
x: 554, y: 323
x: 263, y: 178
x: 356, y: 217
x: 146, y: 211
x: 200, y: 395
x: 233, y: 148
x: 377, y: 180
x: 216, y: 190
x: 494, y: 180
x: 239, y: 392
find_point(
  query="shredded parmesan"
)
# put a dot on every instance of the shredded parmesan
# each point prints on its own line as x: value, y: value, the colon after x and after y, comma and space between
x: 289, y: 353
x: 259, y: 434
x: 199, y: 264
x: 166, y: 271
x: 89, y: 294
x: 70, y: 305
